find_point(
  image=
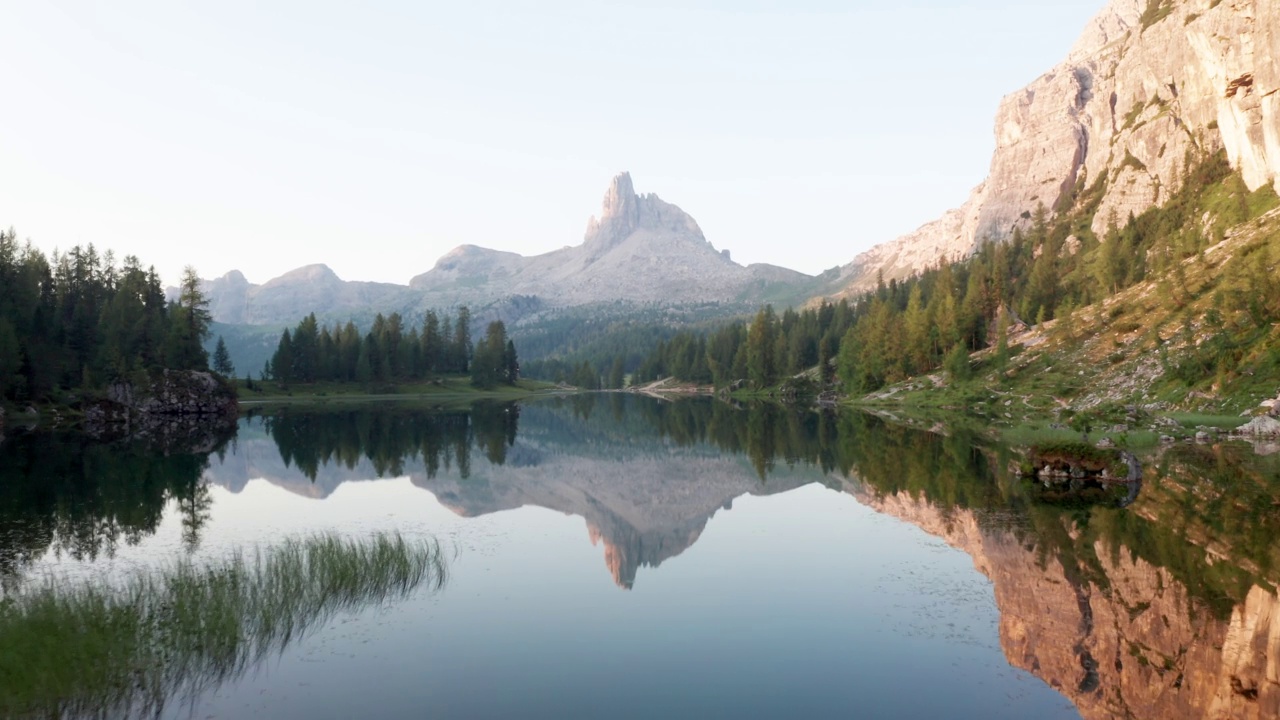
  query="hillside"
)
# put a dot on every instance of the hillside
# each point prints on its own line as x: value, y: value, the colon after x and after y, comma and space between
x: 1149, y: 84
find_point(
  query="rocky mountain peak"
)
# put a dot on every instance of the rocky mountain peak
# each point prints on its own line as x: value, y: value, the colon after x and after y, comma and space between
x: 318, y: 272
x: 619, y: 214
x: 235, y: 278
x: 1112, y: 23
x: 624, y: 213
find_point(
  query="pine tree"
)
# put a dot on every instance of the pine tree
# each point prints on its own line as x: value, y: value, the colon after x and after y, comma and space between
x: 222, y: 360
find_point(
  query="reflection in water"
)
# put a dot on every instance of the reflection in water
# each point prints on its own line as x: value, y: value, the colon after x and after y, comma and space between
x: 80, y: 650
x: 1159, y: 608
x: 66, y: 494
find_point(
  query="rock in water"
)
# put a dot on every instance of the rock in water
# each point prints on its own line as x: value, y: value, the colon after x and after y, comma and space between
x: 1263, y: 426
x: 178, y: 408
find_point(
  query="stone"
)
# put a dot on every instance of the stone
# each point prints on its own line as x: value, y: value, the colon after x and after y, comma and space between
x: 1263, y: 426
x: 1203, y: 437
x: 181, y: 408
x: 1106, y: 442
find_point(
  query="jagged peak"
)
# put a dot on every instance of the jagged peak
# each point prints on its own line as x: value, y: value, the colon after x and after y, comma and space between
x: 235, y: 277
x: 624, y: 211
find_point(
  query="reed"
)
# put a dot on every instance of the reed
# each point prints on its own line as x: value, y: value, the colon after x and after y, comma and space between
x: 160, y: 636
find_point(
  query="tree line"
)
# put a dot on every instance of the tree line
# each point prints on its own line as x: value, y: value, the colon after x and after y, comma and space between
x: 75, y: 321
x: 389, y: 353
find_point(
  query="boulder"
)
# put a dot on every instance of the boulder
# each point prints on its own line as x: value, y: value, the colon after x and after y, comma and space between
x: 1263, y: 426
x: 187, y: 408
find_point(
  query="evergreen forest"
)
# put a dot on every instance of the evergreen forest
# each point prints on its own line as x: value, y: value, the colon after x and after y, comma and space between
x: 74, y: 321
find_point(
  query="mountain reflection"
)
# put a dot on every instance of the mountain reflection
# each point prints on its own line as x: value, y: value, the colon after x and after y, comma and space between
x: 1161, y: 608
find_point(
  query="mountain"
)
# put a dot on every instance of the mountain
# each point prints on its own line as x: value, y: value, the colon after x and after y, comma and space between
x: 1149, y: 84
x: 640, y: 250
x: 287, y: 299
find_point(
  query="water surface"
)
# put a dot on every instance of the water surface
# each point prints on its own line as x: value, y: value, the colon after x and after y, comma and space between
x: 625, y: 557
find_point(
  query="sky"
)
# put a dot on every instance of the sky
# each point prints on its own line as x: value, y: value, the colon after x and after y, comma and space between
x: 375, y: 137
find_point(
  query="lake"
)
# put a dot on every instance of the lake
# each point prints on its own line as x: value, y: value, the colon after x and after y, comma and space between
x: 624, y: 557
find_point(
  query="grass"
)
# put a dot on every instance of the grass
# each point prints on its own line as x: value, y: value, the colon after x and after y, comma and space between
x: 72, y: 650
x: 1195, y: 420
x: 267, y: 391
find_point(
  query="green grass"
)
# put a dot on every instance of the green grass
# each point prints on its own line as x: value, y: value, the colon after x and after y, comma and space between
x: 80, y: 649
x: 1194, y: 420
x: 454, y: 386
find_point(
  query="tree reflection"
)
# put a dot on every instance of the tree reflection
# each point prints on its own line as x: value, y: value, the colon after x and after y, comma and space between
x: 390, y: 438
x: 64, y: 493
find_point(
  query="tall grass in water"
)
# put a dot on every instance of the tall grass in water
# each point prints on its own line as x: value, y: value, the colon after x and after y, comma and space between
x: 166, y: 635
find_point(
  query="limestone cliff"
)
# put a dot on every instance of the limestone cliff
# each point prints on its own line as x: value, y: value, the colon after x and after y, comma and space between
x: 1148, y: 83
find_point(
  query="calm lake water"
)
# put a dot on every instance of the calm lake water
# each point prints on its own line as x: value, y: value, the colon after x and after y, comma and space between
x: 621, y: 557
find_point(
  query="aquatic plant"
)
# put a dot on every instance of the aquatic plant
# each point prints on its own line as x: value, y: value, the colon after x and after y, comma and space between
x: 159, y: 636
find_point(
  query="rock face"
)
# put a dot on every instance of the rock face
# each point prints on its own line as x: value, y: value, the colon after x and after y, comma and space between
x: 1148, y: 82
x: 640, y: 249
x: 185, y: 409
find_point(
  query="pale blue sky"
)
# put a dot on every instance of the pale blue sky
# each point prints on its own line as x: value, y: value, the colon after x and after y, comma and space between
x: 376, y: 136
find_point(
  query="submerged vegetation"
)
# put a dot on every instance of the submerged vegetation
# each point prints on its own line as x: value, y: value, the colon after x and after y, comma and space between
x: 71, y: 650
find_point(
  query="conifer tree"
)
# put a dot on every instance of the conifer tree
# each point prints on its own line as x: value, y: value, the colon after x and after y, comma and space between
x: 222, y: 360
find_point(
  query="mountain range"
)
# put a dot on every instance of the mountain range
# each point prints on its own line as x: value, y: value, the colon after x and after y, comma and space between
x: 1149, y: 86
x: 640, y: 249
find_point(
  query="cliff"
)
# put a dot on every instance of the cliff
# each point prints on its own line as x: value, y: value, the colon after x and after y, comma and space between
x: 1148, y: 84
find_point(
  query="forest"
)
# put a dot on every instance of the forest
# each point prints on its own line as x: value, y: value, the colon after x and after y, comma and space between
x: 388, y: 354
x: 75, y: 321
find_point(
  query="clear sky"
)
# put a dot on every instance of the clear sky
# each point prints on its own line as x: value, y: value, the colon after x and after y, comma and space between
x: 376, y: 136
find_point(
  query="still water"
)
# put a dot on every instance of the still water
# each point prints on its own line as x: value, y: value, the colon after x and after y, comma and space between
x: 623, y: 557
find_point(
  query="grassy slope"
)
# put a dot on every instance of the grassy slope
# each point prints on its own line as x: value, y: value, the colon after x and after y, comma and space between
x: 1124, y: 351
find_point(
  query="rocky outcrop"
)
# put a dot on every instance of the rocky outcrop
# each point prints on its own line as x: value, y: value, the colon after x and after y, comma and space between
x: 186, y: 409
x: 1263, y: 426
x: 1149, y: 83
